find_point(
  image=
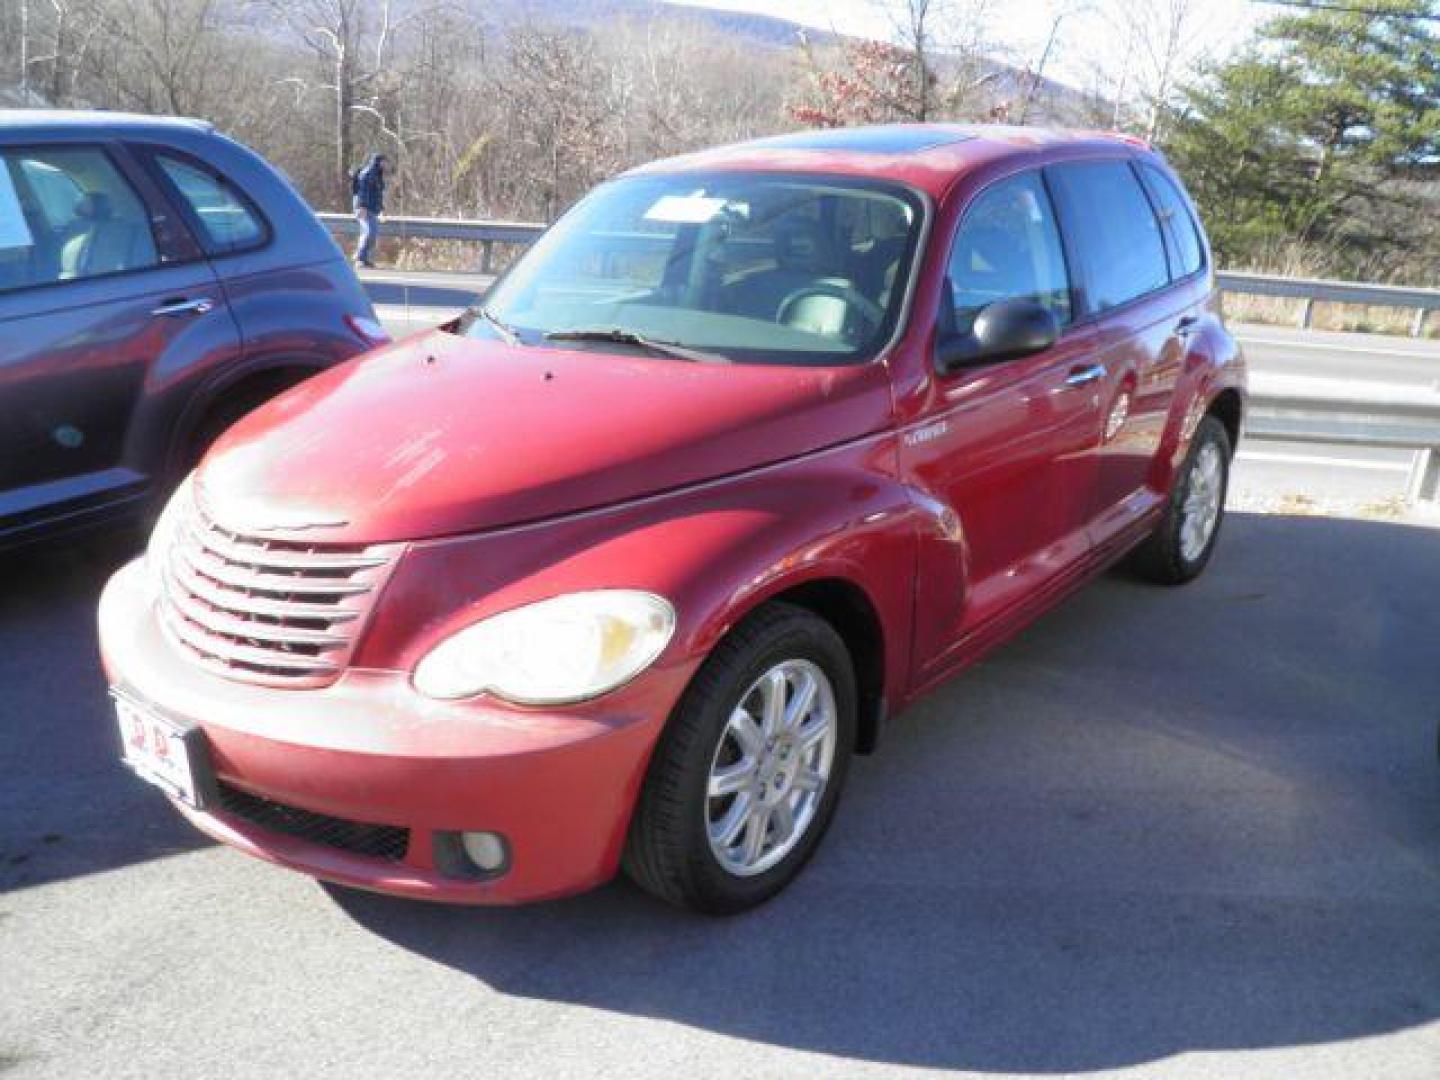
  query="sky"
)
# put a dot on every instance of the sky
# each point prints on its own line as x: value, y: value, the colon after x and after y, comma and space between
x: 1087, y: 36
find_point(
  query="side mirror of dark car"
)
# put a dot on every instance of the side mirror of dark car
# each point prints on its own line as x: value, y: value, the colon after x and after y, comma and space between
x: 1004, y: 330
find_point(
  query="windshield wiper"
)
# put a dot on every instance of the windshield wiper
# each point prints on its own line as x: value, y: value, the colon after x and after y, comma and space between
x: 620, y: 336
x: 507, y: 333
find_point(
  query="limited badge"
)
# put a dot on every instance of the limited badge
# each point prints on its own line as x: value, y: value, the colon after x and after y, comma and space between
x: 1118, y: 414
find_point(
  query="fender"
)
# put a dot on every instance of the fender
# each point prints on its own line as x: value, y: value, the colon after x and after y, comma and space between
x: 1213, y: 364
x: 835, y: 515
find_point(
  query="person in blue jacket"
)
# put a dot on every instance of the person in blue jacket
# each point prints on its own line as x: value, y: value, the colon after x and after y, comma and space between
x: 367, y: 186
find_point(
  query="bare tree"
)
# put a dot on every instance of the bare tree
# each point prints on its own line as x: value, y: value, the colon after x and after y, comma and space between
x: 913, y: 23
x: 165, y: 56
x: 352, y: 41
x: 53, y: 43
x: 1150, y: 46
x: 555, y: 88
x: 1168, y: 48
x: 951, y: 40
x: 1033, y: 83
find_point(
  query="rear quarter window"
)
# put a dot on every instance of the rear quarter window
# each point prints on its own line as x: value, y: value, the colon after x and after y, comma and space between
x: 1112, y: 229
x: 1187, y: 252
x: 228, y: 221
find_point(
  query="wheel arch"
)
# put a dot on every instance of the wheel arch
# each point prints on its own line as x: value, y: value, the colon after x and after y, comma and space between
x: 255, y: 383
x: 1227, y: 407
x: 849, y: 610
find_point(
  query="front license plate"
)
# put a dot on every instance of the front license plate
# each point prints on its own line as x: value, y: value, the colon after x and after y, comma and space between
x: 159, y: 750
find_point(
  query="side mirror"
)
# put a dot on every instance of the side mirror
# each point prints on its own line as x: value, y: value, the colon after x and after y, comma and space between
x: 1004, y: 330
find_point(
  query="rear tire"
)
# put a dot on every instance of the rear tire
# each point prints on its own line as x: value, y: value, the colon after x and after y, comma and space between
x: 1181, y: 545
x: 747, y: 774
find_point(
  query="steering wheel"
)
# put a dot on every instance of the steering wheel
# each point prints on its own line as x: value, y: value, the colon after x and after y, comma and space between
x: 857, y: 301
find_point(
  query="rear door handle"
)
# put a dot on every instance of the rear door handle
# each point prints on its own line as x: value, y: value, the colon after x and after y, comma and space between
x: 199, y: 306
x: 1082, y: 376
x: 1189, y: 324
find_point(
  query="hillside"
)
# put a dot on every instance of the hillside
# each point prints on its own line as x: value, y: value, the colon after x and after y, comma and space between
x: 761, y: 30
x: 1054, y: 102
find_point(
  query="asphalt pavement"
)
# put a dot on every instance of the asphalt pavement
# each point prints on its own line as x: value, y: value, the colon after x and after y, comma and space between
x: 1165, y: 833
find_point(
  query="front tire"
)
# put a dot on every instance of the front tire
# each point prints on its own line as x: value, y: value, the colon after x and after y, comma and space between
x: 747, y: 773
x: 1181, y: 545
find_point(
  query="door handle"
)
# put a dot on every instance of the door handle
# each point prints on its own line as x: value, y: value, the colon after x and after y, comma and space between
x: 1189, y: 324
x: 1082, y: 376
x: 199, y: 306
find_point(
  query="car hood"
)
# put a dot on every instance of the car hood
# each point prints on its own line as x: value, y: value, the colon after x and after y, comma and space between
x: 439, y: 434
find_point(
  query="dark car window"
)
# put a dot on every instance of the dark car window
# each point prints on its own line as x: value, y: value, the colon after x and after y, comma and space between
x: 1008, y: 247
x: 229, y: 224
x: 67, y: 213
x: 1112, y: 227
x: 1187, y: 252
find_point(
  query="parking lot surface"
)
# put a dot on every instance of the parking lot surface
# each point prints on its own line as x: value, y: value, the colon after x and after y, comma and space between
x: 1189, y: 833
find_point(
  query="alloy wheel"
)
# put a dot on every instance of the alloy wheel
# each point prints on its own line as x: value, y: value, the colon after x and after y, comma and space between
x: 771, y: 767
x: 1204, y: 492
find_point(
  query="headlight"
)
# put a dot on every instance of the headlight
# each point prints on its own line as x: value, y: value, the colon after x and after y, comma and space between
x: 553, y: 652
x: 163, y: 535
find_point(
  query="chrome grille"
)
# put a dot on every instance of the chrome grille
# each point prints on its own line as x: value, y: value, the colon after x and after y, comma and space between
x: 278, y: 612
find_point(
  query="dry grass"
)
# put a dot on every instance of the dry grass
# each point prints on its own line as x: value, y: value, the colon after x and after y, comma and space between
x: 425, y: 253
x: 1392, y: 508
x: 1294, y: 504
x: 1359, y: 318
x: 1318, y: 262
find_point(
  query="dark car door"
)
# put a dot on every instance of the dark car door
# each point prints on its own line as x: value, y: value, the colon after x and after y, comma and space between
x: 99, y: 291
x: 1006, y: 444
x: 1119, y: 249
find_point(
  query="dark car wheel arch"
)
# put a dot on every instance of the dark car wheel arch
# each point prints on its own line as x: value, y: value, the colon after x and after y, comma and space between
x: 209, y: 412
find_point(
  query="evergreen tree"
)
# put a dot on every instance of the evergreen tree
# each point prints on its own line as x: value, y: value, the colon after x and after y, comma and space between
x: 1319, y: 132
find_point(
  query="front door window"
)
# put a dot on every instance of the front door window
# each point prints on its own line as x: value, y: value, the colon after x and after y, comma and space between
x: 1008, y: 248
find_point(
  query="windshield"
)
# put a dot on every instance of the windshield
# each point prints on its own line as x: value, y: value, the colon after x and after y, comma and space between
x: 769, y: 268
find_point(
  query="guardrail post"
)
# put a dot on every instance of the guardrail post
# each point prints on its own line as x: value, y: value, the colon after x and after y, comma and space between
x: 1417, y: 326
x: 1424, y: 482
x: 1307, y: 311
x: 487, y: 255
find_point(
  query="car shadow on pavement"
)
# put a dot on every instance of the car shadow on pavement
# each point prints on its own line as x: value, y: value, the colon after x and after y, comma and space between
x: 1159, y: 821
x: 67, y: 805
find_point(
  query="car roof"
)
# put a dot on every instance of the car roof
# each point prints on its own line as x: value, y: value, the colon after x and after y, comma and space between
x: 35, y: 123
x: 927, y: 156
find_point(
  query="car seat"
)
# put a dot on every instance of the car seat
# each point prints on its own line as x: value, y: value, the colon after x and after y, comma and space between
x: 103, y: 243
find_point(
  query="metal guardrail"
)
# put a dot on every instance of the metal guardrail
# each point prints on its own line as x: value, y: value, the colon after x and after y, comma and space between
x: 1297, y: 408
x: 1312, y: 290
x: 485, y: 233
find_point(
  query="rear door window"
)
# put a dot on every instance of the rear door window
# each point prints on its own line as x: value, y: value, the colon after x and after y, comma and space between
x: 1112, y: 229
x: 225, y: 217
x: 67, y: 213
x: 1187, y: 253
x: 1007, y: 248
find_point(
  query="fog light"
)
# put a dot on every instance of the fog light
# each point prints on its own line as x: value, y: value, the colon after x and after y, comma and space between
x: 485, y: 849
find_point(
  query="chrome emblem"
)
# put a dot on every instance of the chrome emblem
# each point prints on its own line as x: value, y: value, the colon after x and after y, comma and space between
x: 929, y: 433
x: 1119, y: 412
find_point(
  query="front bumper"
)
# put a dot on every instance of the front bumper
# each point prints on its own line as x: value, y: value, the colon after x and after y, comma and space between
x: 559, y: 786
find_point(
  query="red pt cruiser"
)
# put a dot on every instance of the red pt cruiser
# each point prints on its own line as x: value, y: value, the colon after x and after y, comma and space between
x: 750, y: 449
